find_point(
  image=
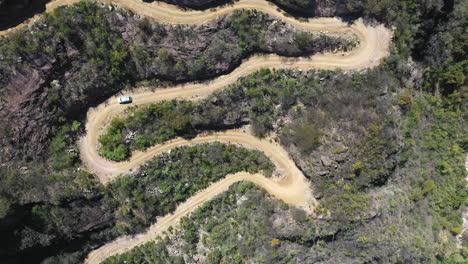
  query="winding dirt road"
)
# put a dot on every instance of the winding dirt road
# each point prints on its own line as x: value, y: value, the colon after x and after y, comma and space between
x: 293, y: 187
x: 374, y: 43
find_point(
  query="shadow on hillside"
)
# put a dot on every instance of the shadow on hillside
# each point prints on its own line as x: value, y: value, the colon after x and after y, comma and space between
x: 194, y: 4
x: 15, y: 12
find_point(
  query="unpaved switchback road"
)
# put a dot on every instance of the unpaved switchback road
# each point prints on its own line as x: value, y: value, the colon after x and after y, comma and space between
x: 293, y: 187
x: 367, y: 55
x: 374, y: 44
x: 373, y: 47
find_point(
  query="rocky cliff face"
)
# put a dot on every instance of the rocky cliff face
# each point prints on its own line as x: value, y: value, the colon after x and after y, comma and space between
x: 24, y: 109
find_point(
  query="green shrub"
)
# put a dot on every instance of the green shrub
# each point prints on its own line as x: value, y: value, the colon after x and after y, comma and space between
x: 428, y: 186
x: 112, y: 145
x: 306, y: 137
x: 5, y: 205
x: 275, y: 242
x: 363, y: 239
x: 171, y: 178
x: 304, y: 40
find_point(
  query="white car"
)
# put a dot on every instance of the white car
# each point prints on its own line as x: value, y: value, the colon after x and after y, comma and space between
x: 125, y: 100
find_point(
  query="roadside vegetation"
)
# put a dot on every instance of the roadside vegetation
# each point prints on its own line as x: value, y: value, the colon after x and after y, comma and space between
x: 442, y: 148
x: 245, y: 224
x: 282, y: 98
x: 172, y: 178
x: 241, y: 225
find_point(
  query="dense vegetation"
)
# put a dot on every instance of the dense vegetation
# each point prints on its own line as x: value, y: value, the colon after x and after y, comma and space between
x: 441, y: 148
x: 263, y: 99
x: 173, y: 177
x: 241, y: 225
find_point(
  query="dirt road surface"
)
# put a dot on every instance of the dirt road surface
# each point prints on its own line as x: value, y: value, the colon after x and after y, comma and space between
x: 293, y: 187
